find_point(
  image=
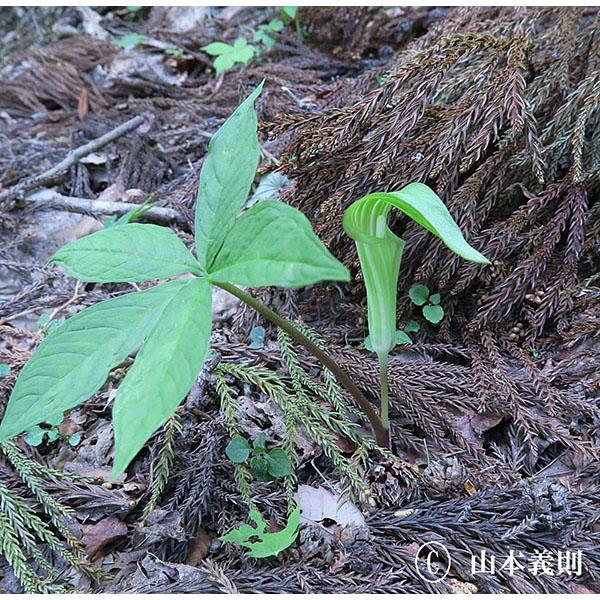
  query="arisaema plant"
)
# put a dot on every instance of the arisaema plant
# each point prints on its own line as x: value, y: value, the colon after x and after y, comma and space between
x: 270, y: 244
x: 380, y: 253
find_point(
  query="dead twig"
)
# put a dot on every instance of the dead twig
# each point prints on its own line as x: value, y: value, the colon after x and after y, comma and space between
x: 73, y: 157
x: 157, y: 214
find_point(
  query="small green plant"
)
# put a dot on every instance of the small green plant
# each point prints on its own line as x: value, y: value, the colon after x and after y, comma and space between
x: 265, y: 33
x: 35, y: 436
x: 432, y: 311
x: 380, y: 253
x: 265, y: 466
x: 129, y: 40
x: 4, y: 370
x: 228, y: 55
x: 269, y: 544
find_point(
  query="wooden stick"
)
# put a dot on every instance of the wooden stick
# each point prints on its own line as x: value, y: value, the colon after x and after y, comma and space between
x: 157, y: 214
x: 73, y: 157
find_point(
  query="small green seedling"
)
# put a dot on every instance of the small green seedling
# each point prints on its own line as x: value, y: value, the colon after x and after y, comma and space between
x: 228, y: 55
x: 432, y: 311
x: 265, y: 33
x: 269, y: 544
x: 380, y: 253
x: 4, y: 370
x: 35, y: 436
x: 265, y: 466
x: 130, y: 40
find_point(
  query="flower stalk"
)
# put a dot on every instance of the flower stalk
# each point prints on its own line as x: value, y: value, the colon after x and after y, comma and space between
x: 380, y: 253
x: 381, y: 433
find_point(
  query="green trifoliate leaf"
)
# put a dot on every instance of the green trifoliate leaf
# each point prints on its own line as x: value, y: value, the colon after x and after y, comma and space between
x: 52, y: 434
x: 419, y: 294
x: 435, y: 298
x: 225, y: 179
x: 264, y: 37
x: 74, y: 360
x: 278, y: 463
x: 274, y: 244
x: 433, y: 313
x: 380, y: 251
x: 270, y: 544
x: 132, y: 252
x: 238, y: 450
x: 164, y: 370
x: 217, y: 48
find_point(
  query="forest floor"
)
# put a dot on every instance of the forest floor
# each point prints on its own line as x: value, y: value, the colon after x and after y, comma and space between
x: 469, y: 474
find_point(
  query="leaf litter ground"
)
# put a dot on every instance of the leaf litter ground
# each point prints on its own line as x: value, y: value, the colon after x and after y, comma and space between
x: 499, y: 421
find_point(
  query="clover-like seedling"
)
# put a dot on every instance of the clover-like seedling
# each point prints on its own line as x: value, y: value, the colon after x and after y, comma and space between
x: 380, y: 252
x: 228, y: 55
x: 271, y: 244
x: 432, y: 311
x: 265, y: 466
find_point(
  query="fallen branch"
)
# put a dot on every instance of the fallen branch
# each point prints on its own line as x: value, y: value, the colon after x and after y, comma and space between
x: 19, y: 190
x: 157, y: 214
